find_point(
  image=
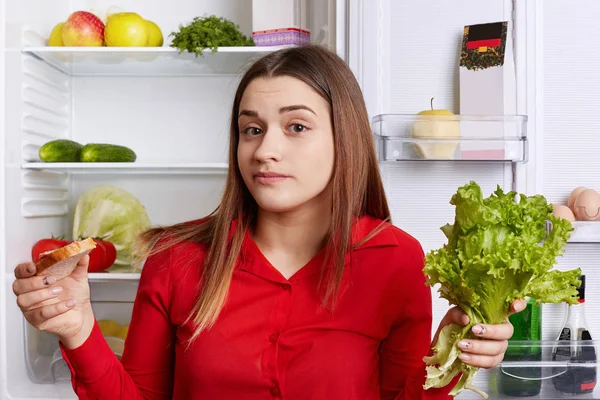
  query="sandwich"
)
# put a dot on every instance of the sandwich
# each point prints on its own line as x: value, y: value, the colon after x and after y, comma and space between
x: 61, y: 262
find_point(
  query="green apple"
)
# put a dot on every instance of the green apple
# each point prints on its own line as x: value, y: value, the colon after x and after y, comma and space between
x: 126, y: 29
x: 55, y: 38
x: 436, y: 124
x: 155, y: 36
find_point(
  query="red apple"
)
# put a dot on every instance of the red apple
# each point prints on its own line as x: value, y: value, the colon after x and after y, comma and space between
x: 83, y: 29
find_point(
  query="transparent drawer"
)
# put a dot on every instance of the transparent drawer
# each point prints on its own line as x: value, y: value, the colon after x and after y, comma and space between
x: 542, y: 370
x: 112, y: 304
x: 401, y: 137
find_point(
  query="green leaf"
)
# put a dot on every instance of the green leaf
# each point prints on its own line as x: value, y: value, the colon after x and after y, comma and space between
x: 113, y: 214
x: 498, y: 250
x: 208, y: 32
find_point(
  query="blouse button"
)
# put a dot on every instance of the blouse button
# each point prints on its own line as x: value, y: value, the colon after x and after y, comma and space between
x: 275, y: 391
x: 273, y: 337
x: 287, y: 286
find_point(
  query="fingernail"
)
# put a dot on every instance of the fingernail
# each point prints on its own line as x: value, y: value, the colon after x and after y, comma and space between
x: 463, y: 344
x: 519, y: 306
x: 464, y: 356
x: 49, y: 280
x: 478, y: 330
x: 71, y: 303
x: 30, y: 269
x: 56, y: 290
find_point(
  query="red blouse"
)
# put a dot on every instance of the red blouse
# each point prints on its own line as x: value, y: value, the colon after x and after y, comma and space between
x: 273, y: 339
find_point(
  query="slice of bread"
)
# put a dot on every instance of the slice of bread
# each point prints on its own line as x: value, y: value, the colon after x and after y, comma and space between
x: 61, y: 262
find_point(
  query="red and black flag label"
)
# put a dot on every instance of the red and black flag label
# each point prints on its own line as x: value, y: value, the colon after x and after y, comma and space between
x: 483, y: 45
x: 484, y: 35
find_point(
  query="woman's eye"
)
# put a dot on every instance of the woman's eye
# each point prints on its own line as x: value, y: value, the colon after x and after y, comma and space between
x: 252, y: 131
x: 297, y: 128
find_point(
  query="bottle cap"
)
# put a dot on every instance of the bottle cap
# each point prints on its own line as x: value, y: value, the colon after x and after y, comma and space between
x: 581, y: 289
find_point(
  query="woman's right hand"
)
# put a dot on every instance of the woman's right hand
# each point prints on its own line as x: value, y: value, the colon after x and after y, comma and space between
x: 62, y: 307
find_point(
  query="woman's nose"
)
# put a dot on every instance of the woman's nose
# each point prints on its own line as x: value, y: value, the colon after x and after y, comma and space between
x: 271, y: 146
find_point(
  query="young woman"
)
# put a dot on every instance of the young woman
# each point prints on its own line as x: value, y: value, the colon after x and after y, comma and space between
x: 296, y: 287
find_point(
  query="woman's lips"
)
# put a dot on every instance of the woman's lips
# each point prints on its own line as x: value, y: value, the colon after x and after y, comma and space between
x: 269, y: 177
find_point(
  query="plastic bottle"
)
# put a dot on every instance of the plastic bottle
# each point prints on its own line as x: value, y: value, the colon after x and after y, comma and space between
x: 523, y: 381
x: 576, y: 379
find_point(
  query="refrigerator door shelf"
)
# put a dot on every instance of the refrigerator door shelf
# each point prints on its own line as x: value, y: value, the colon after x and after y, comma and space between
x: 448, y: 137
x: 585, y: 232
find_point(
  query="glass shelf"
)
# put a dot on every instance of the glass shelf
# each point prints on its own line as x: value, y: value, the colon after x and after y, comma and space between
x: 113, y: 276
x: 147, y: 61
x: 130, y: 168
x: 401, y: 137
x: 550, y: 369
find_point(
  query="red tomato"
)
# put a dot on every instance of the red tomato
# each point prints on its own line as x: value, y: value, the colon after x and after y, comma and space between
x: 102, y: 257
x: 44, y: 245
x: 111, y: 253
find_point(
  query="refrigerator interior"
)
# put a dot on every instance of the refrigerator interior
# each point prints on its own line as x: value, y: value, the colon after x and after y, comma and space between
x: 403, y: 52
x: 174, y: 114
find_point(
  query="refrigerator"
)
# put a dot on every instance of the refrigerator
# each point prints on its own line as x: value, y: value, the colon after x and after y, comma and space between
x: 173, y: 110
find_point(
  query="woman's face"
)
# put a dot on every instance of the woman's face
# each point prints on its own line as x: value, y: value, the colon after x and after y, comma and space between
x: 285, y: 150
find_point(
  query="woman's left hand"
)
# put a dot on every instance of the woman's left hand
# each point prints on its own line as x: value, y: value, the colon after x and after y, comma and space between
x: 482, y: 353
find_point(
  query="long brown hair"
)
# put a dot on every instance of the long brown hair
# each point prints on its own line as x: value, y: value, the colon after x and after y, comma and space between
x: 356, y: 184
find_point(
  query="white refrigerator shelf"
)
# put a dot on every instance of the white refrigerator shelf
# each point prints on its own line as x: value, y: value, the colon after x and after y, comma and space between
x: 110, y: 276
x: 99, y: 276
x: 130, y: 168
x: 147, y: 61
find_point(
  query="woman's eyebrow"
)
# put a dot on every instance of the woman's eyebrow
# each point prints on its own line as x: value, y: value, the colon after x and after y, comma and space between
x: 252, y: 113
x: 296, y: 107
x: 249, y: 113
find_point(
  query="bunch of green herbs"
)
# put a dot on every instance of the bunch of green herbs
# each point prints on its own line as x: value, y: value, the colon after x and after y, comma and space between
x: 499, y: 249
x: 208, y: 32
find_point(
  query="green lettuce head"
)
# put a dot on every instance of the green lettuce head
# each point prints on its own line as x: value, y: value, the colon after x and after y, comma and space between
x: 499, y: 250
x: 111, y: 214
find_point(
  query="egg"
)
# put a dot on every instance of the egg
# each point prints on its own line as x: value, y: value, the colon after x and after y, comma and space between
x: 561, y: 211
x: 574, y: 195
x: 587, y: 206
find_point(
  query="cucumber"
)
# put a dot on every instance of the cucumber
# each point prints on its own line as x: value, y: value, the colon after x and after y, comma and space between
x: 100, y: 152
x: 61, y: 150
